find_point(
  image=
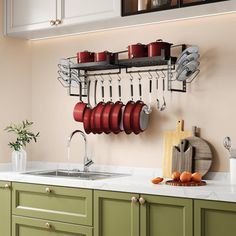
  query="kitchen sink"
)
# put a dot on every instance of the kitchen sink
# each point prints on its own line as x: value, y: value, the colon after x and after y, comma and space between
x: 87, y: 175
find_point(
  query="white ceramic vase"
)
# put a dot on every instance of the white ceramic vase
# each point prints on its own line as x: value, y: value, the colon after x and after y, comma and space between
x: 19, y: 159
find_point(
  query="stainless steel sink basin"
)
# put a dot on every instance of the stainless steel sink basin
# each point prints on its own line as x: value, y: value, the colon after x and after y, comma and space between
x: 88, y: 175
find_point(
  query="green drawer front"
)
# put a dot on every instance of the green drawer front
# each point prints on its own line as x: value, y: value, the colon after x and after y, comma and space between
x: 213, y: 218
x: 68, y: 205
x: 5, y: 208
x: 23, y: 226
x: 166, y: 216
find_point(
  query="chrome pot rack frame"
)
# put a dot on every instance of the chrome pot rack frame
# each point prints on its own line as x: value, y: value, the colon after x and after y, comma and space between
x: 75, y: 76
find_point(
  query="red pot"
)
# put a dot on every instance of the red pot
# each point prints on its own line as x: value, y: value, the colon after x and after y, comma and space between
x: 98, y: 117
x: 127, y: 122
x: 86, y: 121
x: 92, y: 121
x: 104, y: 56
x: 79, y: 111
x: 137, y: 50
x: 155, y: 49
x: 115, y: 117
x: 106, y: 117
x: 84, y: 57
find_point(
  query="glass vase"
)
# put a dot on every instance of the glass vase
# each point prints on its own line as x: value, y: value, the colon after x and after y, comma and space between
x: 19, y: 159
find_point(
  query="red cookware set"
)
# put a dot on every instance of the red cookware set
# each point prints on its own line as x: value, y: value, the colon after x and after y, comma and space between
x: 108, y: 117
x: 153, y: 49
x: 86, y: 56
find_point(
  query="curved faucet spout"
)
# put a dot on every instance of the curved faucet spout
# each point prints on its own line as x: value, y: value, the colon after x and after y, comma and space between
x: 87, y: 161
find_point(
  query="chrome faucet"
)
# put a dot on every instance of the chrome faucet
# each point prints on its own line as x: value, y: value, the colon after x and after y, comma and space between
x: 87, y: 162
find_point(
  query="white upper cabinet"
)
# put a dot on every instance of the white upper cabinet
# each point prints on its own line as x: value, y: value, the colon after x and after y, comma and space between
x: 80, y: 11
x: 26, y: 15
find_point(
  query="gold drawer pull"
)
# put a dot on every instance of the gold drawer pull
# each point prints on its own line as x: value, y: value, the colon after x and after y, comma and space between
x: 142, y: 201
x: 48, y: 190
x: 57, y: 22
x: 134, y: 200
x: 48, y: 225
x: 52, y: 22
x: 6, y: 186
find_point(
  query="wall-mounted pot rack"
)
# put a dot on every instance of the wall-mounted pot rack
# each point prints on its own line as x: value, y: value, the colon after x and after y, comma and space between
x: 77, y: 75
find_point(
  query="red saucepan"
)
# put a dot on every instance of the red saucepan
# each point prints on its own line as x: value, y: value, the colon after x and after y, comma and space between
x: 106, y: 114
x: 127, y: 124
x: 79, y: 108
x: 155, y: 49
x: 116, y: 115
x: 104, y: 56
x: 85, y: 56
x: 137, y: 50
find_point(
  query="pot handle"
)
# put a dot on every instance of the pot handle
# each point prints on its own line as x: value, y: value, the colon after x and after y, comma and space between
x: 159, y: 40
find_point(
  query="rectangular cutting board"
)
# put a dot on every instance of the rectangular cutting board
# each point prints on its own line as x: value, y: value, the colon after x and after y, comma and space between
x: 172, y: 138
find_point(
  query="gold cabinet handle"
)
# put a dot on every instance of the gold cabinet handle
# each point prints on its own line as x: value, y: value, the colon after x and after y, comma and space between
x: 134, y: 200
x: 6, y: 186
x: 57, y: 22
x: 142, y: 201
x: 48, y: 190
x: 52, y: 22
x: 48, y: 225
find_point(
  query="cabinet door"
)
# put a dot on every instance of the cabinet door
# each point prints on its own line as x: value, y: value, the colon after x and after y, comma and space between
x: 162, y: 216
x: 5, y: 209
x: 25, y: 15
x: 115, y: 214
x: 82, y: 11
x: 214, y: 218
x: 23, y: 226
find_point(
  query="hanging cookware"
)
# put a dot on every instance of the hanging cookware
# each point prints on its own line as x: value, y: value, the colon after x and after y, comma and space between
x: 159, y: 48
x: 85, y: 56
x: 104, y: 56
x: 92, y: 117
x: 98, y: 112
x: 139, y: 117
x: 116, y: 114
x: 137, y: 50
x: 186, y: 52
x: 107, y: 112
x: 127, y: 122
x: 79, y: 108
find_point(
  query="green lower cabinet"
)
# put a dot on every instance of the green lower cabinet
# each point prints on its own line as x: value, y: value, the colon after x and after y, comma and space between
x: 23, y: 226
x: 5, y: 208
x: 166, y: 216
x: 115, y: 214
x: 213, y: 218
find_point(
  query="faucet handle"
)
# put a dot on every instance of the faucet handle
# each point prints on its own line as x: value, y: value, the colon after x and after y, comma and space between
x: 89, y: 162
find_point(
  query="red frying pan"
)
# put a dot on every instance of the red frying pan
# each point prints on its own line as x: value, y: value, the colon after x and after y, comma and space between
x: 106, y: 114
x: 92, y: 117
x: 116, y: 115
x: 79, y: 108
x: 98, y: 113
x: 127, y: 124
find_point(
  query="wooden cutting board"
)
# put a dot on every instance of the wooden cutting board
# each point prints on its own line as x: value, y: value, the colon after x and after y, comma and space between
x: 172, y: 138
x: 182, y: 157
x: 202, y: 154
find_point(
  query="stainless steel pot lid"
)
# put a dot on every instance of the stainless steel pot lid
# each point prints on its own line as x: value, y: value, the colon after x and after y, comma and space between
x: 186, y: 52
x: 186, y: 59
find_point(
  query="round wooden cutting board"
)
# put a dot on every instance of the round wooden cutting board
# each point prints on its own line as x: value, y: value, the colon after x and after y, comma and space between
x: 187, y: 184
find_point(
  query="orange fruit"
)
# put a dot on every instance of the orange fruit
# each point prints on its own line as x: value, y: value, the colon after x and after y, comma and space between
x: 176, y: 175
x: 185, y: 177
x: 196, y: 177
x: 157, y: 180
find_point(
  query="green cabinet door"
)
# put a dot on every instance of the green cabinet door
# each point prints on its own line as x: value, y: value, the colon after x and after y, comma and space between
x: 166, y: 216
x: 115, y: 214
x: 213, y: 218
x: 5, y: 208
x: 23, y: 226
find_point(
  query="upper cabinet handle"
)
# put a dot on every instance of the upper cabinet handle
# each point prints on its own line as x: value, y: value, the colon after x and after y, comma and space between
x: 57, y: 22
x: 6, y: 186
x: 52, y: 22
x: 134, y: 200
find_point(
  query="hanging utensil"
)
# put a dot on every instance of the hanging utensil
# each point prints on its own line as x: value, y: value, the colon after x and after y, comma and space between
x: 92, y: 117
x: 157, y: 87
x: 163, y: 107
x: 87, y: 113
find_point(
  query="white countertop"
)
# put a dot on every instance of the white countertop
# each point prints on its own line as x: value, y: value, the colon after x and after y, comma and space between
x: 137, y: 183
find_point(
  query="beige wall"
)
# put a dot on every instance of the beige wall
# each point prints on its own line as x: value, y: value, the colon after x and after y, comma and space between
x: 15, y: 87
x: 209, y: 103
